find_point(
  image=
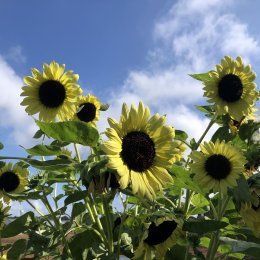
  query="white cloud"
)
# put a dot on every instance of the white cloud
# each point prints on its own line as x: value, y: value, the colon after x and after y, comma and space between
x: 190, y: 38
x: 12, y: 115
x: 15, y: 54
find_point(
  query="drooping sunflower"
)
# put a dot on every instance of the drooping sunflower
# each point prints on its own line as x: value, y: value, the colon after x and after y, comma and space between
x: 87, y: 109
x: 217, y: 166
x: 51, y: 93
x: 13, y: 179
x: 232, y: 89
x: 140, y: 149
x: 159, y: 236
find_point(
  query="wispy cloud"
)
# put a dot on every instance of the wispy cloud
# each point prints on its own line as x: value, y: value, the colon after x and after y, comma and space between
x: 191, y: 38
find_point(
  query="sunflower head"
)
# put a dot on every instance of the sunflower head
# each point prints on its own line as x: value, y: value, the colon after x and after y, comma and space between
x: 13, y: 179
x: 140, y: 148
x: 160, y: 235
x: 231, y: 88
x: 87, y: 109
x: 217, y: 166
x: 51, y: 93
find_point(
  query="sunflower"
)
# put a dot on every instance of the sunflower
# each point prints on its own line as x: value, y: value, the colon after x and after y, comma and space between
x: 13, y: 179
x: 159, y: 236
x: 232, y: 89
x: 52, y: 93
x: 3, y: 257
x: 87, y: 109
x: 140, y: 149
x: 217, y: 166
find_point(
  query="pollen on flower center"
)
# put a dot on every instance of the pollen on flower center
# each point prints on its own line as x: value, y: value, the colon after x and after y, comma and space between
x: 158, y: 234
x: 230, y: 88
x: 52, y: 93
x: 87, y: 112
x: 218, y: 166
x: 9, y: 181
x: 138, y: 151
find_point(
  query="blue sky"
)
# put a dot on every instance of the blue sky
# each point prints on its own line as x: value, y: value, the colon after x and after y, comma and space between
x: 124, y: 51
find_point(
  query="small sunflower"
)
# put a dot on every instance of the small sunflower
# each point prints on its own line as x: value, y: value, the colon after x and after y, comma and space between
x: 13, y: 179
x: 232, y: 89
x: 140, y: 149
x: 217, y: 166
x: 52, y: 93
x: 159, y: 236
x: 87, y: 109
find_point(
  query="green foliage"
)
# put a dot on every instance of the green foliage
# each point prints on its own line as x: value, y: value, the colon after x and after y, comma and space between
x: 203, y: 226
x: 71, y: 131
x: 19, y: 225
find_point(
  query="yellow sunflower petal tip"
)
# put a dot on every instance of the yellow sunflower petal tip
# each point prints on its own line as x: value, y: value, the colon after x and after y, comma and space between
x: 231, y: 88
x: 140, y: 150
x: 51, y: 93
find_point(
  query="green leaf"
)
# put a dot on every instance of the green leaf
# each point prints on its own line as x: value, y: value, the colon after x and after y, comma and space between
x: 51, y: 164
x: 19, y: 225
x: 82, y: 241
x: 38, y: 134
x: 241, y: 191
x: 199, y: 201
x: 180, y: 135
x: 17, y: 249
x: 249, y: 248
x: 71, y: 131
x: 203, y: 226
x: 76, y: 196
x: 222, y: 134
x: 247, y: 130
x: 2, y: 164
x: 44, y: 150
x: 104, y: 107
x: 1, y: 146
x: 77, y: 209
x: 183, y: 179
x: 201, y: 76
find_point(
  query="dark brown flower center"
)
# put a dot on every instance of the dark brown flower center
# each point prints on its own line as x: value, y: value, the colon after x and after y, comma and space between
x: 158, y: 234
x: 138, y: 151
x: 111, y: 181
x: 9, y: 181
x: 218, y: 166
x: 87, y: 112
x: 52, y: 93
x: 230, y: 88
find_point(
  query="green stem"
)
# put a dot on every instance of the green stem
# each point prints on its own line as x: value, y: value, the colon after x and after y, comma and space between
x: 40, y: 213
x: 214, y: 243
x: 121, y: 224
x: 171, y: 202
x: 77, y: 152
x: 57, y: 223
x: 109, y: 225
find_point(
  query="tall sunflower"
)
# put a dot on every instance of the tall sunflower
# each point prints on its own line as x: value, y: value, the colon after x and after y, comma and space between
x: 232, y: 89
x: 13, y: 179
x: 217, y: 166
x: 159, y: 236
x: 140, y: 149
x: 87, y: 109
x: 51, y: 93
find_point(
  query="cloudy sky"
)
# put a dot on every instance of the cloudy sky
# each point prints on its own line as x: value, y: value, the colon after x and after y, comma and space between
x: 124, y: 51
